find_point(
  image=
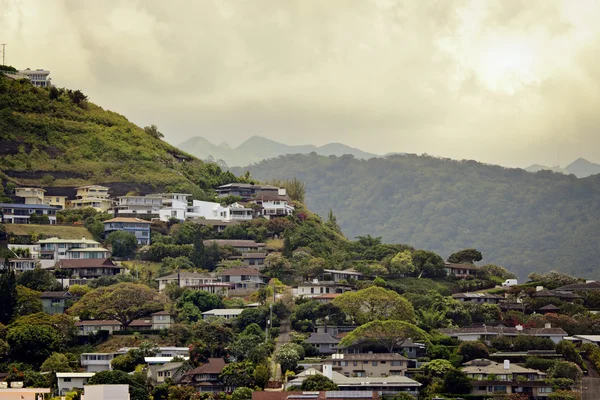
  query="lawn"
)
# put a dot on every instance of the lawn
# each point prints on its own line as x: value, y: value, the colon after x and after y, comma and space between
x: 61, y: 231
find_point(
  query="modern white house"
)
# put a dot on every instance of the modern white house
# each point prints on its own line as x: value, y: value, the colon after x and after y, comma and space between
x: 149, y: 204
x: 211, y: 210
x: 317, y: 288
x: 68, y: 381
x: 13, y: 213
x: 54, y: 249
x: 38, y: 77
x: 227, y: 313
x: 174, y: 205
x: 20, y: 264
x: 31, y: 195
x: 273, y: 205
x: 184, y: 279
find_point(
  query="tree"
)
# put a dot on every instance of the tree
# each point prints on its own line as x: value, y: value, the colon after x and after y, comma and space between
x: 318, y: 383
x: 241, y: 393
x: 401, y: 264
x: 28, y: 301
x: 456, y: 382
x: 569, y: 352
x: 391, y: 334
x: 471, y: 350
x: 564, y: 395
x: 8, y: 296
x: 153, y: 131
x: 496, y: 270
x: 276, y: 266
x: 38, y: 279
x: 261, y: 375
x: 465, y: 256
x: 123, y: 302
x: 32, y: 343
x: 428, y: 264
x: 287, y: 356
x: 123, y: 244
x: 403, y: 396
x: 438, y: 367
x: 56, y: 362
x: 566, y: 369
x: 375, y: 303
x: 204, y: 301
x: 295, y: 188
x: 238, y: 374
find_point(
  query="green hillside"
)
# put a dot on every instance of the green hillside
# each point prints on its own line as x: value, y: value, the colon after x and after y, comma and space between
x: 526, y: 222
x: 55, y: 137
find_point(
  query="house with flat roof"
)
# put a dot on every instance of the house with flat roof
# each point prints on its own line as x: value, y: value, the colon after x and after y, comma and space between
x: 12, y: 213
x: 369, y: 364
x: 486, y: 333
x: 52, y: 250
x: 216, y: 225
x: 317, y: 288
x: 227, y: 313
x: 148, y: 205
x: 38, y: 77
x: 239, y: 245
x: 489, y: 377
x: 343, y: 275
x: 139, y: 227
x: 247, y: 191
x: 184, y: 279
x: 60, y: 202
x: 245, y: 280
x: 216, y: 211
x: 92, y: 196
x: 30, y: 195
x: 273, y: 205
x: 69, y: 381
x: 219, y: 288
x: 461, y: 271
x: 479, y: 297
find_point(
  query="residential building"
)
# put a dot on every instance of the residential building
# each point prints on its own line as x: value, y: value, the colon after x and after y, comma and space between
x: 489, y: 377
x: 240, y: 245
x: 159, y: 373
x: 478, y: 297
x: 174, y: 205
x: 549, y: 309
x: 206, y: 378
x: 33, y: 249
x: 54, y: 249
x: 30, y: 195
x: 12, y: 213
x: 256, y: 260
x: 273, y: 206
x: 343, y: 275
x: 20, y: 264
x: 145, y: 205
x: 326, y: 298
x: 16, y: 391
x: 144, y: 324
x: 216, y: 211
x: 38, y: 77
x: 317, y: 288
x: 227, y: 313
x: 408, y: 348
x: 162, y: 320
x: 184, y: 279
x: 486, y: 333
x: 567, y: 296
x: 371, y: 364
x: 106, y: 392
x: 389, y: 385
x: 461, y: 271
x: 580, y: 287
x: 324, y: 342
x: 216, y: 224
x: 322, y: 395
x: 244, y: 278
x: 583, y: 339
x: 96, y: 362
x: 89, y: 327
x: 55, y: 302
x: 220, y: 288
x: 139, y: 227
x: 60, y: 202
x: 68, y: 381
x: 89, y: 268
x: 247, y: 191
x: 93, y: 196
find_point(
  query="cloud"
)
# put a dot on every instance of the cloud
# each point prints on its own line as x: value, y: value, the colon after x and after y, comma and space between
x: 504, y: 81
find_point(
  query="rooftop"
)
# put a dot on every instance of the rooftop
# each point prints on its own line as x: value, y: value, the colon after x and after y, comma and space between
x: 239, y: 271
x: 224, y: 311
x: 27, y: 206
x: 581, y: 286
x: 369, y: 357
x: 184, y: 275
x: 318, y: 338
x: 485, y: 366
x: 212, y: 366
x: 88, y: 263
x: 476, y: 296
x: 127, y: 220
x: 75, y: 374
x: 233, y: 243
x: 55, y: 240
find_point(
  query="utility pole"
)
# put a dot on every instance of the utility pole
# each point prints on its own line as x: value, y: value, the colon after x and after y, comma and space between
x: 3, y: 53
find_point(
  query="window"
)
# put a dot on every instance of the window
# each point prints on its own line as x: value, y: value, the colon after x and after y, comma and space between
x: 374, y: 363
x: 66, y: 379
x: 395, y: 373
x: 397, y: 363
x: 355, y: 363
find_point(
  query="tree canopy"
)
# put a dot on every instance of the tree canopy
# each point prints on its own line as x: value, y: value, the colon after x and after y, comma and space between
x: 391, y: 334
x: 375, y: 303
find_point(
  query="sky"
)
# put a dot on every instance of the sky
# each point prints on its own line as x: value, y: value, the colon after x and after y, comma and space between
x: 509, y: 82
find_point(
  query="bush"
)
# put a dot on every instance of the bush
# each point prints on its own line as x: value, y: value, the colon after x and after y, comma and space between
x: 318, y: 383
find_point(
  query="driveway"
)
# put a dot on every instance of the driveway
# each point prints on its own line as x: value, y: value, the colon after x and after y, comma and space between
x: 591, y: 383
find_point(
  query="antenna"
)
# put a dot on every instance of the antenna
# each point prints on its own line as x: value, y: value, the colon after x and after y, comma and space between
x: 3, y: 52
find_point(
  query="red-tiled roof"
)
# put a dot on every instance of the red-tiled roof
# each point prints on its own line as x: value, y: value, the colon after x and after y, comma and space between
x: 141, y: 323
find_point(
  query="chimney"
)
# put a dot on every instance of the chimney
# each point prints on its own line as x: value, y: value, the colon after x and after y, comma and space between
x: 539, y: 288
x: 328, y: 371
x: 506, y: 364
x: 547, y: 325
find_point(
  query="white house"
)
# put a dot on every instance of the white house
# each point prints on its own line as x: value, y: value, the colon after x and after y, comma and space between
x: 273, y: 205
x: 96, y: 362
x: 12, y: 213
x: 227, y: 313
x: 211, y: 210
x: 54, y: 249
x: 243, y: 278
x: 38, y: 77
x: 68, y: 381
x: 174, y: 205
x: 318, y: 288
x: 106, y: 392
x: 20, y: 264
x: 184, y: 279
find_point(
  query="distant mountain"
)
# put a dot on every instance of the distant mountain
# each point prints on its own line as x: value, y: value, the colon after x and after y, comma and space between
x: 582, y: 168
x: 258, y: 148
x: 539, y: 167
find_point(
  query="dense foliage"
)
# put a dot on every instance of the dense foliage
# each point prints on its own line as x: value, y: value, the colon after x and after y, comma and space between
x: 520, y: 220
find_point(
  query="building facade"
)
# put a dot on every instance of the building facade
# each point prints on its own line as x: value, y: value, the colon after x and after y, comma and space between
x: 139, y: 227
x: 13, y: 213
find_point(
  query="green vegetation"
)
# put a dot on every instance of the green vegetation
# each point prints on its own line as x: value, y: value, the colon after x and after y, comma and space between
x: 41, y: 231
x: 517, y: 219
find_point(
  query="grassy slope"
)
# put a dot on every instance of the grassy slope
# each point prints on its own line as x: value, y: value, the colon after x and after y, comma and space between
x: 63, y: 232
x: 49, y: 142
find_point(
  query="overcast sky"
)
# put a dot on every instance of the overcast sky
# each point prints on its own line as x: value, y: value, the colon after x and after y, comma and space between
x: 512, y: 82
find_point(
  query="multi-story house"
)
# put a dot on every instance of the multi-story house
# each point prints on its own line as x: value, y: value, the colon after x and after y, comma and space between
x: 88, y: 268
x: 184, y: 279
x: 159, y: 373
x: 317, y: 288
x: 408, y: 348
x: 174, y: 205
x: 370, y: 364
x: 256, y: 260
x: 247, y: 191
x: 216, y: 224
x: 492, y: 378
x: 343, y: 275
x: 240, y: 245
x: 89, y: 327
x: 96, y: 362
x: 162, y: 320
x: 461, y: 271
x: 60, y: 202
x: 54, y: 249
x: 68, y: 381
x: 226, y: 313
x: 139, y: 227
x: 38, y: 77
x: 20, y: 264
x: 145, y: 205
x: 243, y: 278
x: 324, y: 342
x: 273, y: 206
x: 206, y: 378
x: 487, y: 333
x: 210, y: 210
x: 30, y: 195
x: 92, y: 196
x: 55, y: 302
x: 478, y: 297
x: 13, y: 213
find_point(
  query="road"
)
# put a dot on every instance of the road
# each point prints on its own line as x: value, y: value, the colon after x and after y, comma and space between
x: 591, y: 383
x: 283, y: 338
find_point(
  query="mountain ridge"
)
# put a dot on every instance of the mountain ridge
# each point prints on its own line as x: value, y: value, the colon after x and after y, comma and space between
x: 581, y: 168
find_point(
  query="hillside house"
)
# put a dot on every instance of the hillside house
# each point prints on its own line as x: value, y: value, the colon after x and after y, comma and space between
x: 489, y: 377
x: 244, y: 278
x: 324, y: 342
x: 343, y: 275
x: 371, y: 364
x: 461, y: 271
x: 55, y: 302
x: 159, y: 373
x: 53, y: 250
x: 408, y: 348
x: 217, y: 225
x: 557, y: 294
x: 139, y: 227
x: 30, y: 195
x: 478, y: 297
x: 317, y: 288
x: 148, y: 205
x: 580, y: 287
x: 60, y: 202
x: 273, y: 206
x: 92, y: 196
x: 162, y: 320
x: 88, y: 327
x: 89, y: 268
x: 240, y: 245
x: 12, y: 213
x: 486, y: 333
x: 216, y: 211
x: 20, y: 264
x: 206, y: 377
x: 256, y: 260
x: 184, y: 279
x: 96, y: 362
x: 218, y: 288
x: 174, y: 205
x: 226, y: 313
x: 69, y: 381
x: 247, y: 191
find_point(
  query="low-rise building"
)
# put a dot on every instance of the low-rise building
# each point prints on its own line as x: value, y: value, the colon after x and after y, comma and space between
x: 69, y: 381
x: 324, y: 342
x: 174, y: 205
x: 256, y: 259
x: 90, y: 327
x: 30, y: 195
x: 106, y: 392
x: 410, y: 349
x: 207, y: 377
x: 39, y: 77
x: 216, y: 225
x: 60, y: 202
x: 184, y: 279
x: 12, y: 213
x: 92, y: 196
x: 583, y: 339
x: 317, y: 288
x: 567, y: 296
x: 343, y: 275
x: 139, y: 227
x: 487, y: 333
x: 489, y: 377
x: 162, y: 320
x: 273, y: 206
x: 20, y: 264
x: 159, y: 373
x: 55, y: 302
x: 247, y: 191
x: 242, y: 246
x: 226, y: 313
x: 15, y: 391
x: 580, y: 287
x: 54, y: 249
x: 89, y: 268
x: 219, y: 288
x: 478, y: 297
x: 244, y: 278
x: 148, y: 205
x: 370, y: 364
x: 96, y: 362
x: 215, y: 211
x: 461, y: 271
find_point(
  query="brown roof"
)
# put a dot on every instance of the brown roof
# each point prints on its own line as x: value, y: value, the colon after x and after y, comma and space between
x: 233, y: 243
x: 556, y: 293
x: 549, y: 307
x: 582, y: 286
x: 98, y: 322
x: 162, y: 313
x: 212, y: 366
x: 141, y: 322
x: 240, y: 271
x: 54, y: 295
x: 126, y: 219
x: 88, y: 263
x: 461, y: 266
x: 372, y: 357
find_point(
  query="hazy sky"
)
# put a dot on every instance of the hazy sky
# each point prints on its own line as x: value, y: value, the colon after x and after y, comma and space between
x: 512, y: 82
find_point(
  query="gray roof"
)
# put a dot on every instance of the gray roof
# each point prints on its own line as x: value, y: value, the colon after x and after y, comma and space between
x: 27, y: 206
x: 170, y: 366
x: 478, y: 295
x: 184, y: 275
x: 503, y: 330
x: 318, y: 338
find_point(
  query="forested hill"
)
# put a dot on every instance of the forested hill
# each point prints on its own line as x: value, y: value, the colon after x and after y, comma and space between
x: 526, y: 222
x: 56, y: 138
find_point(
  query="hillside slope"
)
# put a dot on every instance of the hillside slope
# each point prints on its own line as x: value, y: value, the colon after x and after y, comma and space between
x: 521, y: 220
x: 56, y: 138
